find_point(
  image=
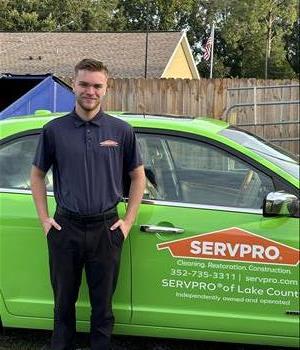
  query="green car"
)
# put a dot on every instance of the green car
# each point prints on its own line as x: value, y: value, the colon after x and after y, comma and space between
x: 213, y: 254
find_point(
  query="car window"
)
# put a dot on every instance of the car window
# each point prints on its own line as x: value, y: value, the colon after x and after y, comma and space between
x: 188, y: 171
x: 159, y: 168
x: 15, y: 163
x: 280, y: 157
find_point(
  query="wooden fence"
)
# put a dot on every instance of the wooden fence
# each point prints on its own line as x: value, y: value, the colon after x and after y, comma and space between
x: 210, y: 97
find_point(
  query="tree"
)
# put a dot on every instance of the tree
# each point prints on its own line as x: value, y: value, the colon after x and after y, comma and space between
x: 292, y: 47
x: 25, y: 16
x: 161, y: 14
x: 56, y: 15
x: 83, y: 15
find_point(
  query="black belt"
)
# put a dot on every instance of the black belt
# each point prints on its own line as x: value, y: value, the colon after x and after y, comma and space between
x: 108, y: 214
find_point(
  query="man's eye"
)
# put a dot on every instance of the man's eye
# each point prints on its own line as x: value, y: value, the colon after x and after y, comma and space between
x: 87, y: 85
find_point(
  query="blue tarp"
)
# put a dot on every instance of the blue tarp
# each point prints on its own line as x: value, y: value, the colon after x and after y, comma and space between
x: 51, y: 94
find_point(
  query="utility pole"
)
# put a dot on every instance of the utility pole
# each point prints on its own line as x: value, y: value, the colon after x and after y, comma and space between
x: 147, y: 34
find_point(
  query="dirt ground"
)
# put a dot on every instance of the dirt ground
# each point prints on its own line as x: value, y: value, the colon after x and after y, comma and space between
x: 20, y: 339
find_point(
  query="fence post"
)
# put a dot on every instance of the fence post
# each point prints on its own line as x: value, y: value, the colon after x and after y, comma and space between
x: 232, y: 119
x: 254, y: 103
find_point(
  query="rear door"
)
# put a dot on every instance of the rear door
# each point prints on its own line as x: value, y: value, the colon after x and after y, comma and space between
x: 25, y: 283
x: 203, y: 256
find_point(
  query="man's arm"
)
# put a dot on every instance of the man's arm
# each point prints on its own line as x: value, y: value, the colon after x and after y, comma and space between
x: 38, y: 188
x: 136, y: 192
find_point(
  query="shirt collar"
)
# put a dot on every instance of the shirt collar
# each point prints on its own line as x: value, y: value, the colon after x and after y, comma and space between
x: 98, y: 120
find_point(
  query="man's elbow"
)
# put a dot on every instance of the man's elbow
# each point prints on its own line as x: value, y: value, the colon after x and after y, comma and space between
x: 36, y: 175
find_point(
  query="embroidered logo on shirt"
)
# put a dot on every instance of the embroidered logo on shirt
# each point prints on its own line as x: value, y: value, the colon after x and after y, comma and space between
x: 109, y: 143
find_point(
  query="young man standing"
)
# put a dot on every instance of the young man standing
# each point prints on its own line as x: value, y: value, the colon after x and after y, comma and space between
x: 90, y: 153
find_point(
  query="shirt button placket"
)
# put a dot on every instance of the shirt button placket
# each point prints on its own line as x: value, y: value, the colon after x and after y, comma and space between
x: 88, y: 136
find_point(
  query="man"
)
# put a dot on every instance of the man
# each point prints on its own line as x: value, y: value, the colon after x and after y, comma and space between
x: 90, y: 153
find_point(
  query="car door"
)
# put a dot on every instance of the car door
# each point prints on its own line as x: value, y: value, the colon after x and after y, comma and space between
x: 25, y: 284
x: 203, y: 256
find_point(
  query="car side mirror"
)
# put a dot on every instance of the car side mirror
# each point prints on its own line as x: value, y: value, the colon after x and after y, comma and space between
x: 281, y: 203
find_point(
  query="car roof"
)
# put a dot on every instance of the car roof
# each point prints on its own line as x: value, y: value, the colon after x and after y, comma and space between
x: 202, y: 126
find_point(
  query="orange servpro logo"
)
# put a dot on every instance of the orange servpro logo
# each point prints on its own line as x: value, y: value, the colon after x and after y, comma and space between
x: 232, y: 244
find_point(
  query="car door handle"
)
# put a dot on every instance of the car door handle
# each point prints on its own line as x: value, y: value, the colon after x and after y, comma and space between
x: 160, y: 229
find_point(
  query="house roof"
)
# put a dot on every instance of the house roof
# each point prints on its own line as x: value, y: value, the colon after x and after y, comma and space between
x: 58, y: 52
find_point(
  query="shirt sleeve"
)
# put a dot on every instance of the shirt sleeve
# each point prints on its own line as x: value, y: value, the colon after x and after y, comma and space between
x: 44, y: 155
x: 132, y: 154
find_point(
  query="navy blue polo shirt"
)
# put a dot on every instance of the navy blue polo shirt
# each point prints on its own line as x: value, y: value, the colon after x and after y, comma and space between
x: 88, y: 159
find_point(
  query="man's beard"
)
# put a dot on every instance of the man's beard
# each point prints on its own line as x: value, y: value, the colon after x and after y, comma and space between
x: 91, y: 108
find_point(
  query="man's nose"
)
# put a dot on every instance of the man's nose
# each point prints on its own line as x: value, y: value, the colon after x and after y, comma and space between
x: 90, y: 89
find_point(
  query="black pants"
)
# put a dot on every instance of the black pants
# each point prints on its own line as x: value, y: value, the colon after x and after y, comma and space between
x: 83, y: 242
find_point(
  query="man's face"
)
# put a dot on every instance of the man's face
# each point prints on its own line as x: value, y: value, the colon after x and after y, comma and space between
x: 89, y: 88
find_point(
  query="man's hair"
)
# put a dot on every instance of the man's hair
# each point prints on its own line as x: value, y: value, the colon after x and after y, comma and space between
x: 91, y: 65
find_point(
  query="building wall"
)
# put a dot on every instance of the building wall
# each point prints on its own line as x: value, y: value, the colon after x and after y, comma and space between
x: 178, y: 67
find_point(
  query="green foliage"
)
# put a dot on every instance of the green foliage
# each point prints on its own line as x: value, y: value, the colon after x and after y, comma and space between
x: 24, y: 16
x: 56, y: 15
x: 292, y: 46
x: 83, y: 15
x: 160, y: 14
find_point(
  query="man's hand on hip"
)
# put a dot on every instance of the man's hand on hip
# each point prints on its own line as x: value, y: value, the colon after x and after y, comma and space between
x: 48, y: 223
